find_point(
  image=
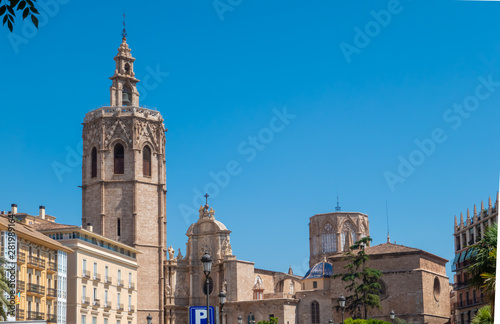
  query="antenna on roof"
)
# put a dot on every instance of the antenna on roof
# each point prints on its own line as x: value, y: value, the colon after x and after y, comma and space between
x: 387, y: 214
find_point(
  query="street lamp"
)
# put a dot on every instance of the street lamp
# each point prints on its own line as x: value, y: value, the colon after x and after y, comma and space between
x: 150, y: 319
x: 222, y: 300
x: 206, y: 260
x: 391, y: 314
x: 240, y: 319
x: 342, y: 305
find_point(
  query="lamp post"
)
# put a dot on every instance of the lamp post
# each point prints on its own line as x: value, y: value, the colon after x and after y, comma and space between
x: 391, y: 314
x: 240, y: 319
x: 222, y: 300
x: 342, y: 305
x: 206, y: 260
x: 149, y: 319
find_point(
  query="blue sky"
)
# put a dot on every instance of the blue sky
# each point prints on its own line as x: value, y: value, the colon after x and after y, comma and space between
x: 386, y: 101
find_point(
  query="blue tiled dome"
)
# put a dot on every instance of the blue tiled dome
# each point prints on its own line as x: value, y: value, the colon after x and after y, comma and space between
x: 319, y: 270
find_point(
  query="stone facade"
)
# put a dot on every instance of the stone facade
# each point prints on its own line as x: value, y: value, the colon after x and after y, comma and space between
x: 334, y: 233
x: 124, y: 180
x: 249, y: 291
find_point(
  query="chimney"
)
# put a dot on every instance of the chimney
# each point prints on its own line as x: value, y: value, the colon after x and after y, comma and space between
x: 2, y: 212
x: 42, y: 212
x: 13, y: 208
x: 89, y: 227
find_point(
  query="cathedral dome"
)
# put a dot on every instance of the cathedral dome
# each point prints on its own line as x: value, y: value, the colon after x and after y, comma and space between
x: 320, y: 270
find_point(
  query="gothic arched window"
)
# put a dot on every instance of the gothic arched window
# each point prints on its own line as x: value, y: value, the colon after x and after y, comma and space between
x: 348, y: 236
x: 146, y: 161
x: 119, y: 161
x: 315, y: 312
x: 328, y: 238
x: 93, y: 168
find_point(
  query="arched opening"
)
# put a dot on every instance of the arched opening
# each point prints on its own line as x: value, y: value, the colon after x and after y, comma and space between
x: 348, y: 236
x: 437, y: 288
x: 328, y: 239
x: 93, y: 171
x: 119, y: 154
x: 146, y: 161
x: 126, y: 96
x: 315, y: 312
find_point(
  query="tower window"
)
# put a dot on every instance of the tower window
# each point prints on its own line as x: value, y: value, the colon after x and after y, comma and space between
x: 118, y: 227
x: 119, y: 159
x: 315, y: 312
x: 93, y: 172
x: 126, y: 96
x: 328, y: 238
x: 146, y: 161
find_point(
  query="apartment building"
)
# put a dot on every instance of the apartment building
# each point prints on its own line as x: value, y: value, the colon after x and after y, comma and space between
x: 36, y: 269
x: 469, y: 299
x: 102, y: 276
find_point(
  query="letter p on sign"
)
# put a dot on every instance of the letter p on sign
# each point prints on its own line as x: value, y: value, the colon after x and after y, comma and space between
x: 199, y: 315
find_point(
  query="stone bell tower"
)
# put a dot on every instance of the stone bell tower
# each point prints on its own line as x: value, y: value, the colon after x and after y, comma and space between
x: 124, y: 180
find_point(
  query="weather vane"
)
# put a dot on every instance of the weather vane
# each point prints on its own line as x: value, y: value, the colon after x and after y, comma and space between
x: 124, y: 31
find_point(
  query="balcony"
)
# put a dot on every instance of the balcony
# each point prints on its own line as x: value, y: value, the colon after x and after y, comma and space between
x: 20, y: 314
x: 96, y: 303
x: 462, y: 284
x: 86, y: 274
x: 85, y: 301
x: 52, y: 267
x: 96, y: 277
x: 52, y: 318
x: 36, y: 316
x: 119, y: 308
x: 470, y: 303
x: 35, y: 262
x: 131, y: 285
x: 107, y: 305
x: 51, y: 292
x: 21, y: 257
x: 36, y: 289
x: 131, y: 309
x: 119, y: 283
x: 21, y: 285
x: 108, y: 280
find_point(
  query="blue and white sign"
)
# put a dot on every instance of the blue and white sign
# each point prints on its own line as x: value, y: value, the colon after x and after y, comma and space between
x: 198, y: 315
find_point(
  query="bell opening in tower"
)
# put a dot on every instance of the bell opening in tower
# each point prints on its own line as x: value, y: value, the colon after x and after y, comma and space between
x: 126, y: 96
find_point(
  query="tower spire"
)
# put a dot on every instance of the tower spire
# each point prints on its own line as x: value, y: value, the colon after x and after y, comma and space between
x: 123, y: 91
x: 124, y: 31
x: 387, y: 215
x: 337, y: 208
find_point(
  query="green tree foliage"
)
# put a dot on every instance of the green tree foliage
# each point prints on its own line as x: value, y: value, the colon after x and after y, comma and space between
x: 483, y: 316
x: 9, y: 8
x: 483, y: 267
x: 362, y: 281
x: 272, y: 320
x: 400, y: 321
x: 364, y: 321
x: 4, y: 287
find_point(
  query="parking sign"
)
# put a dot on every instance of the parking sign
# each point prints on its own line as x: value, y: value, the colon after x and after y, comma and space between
x: 198, y: 315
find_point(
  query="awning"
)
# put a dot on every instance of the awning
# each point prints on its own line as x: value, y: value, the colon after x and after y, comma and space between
x: 462, y: 256
x: 469, y: 252
x: 456, y: 258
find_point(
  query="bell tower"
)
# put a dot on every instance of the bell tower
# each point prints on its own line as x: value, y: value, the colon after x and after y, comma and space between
x: 124, y: 180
